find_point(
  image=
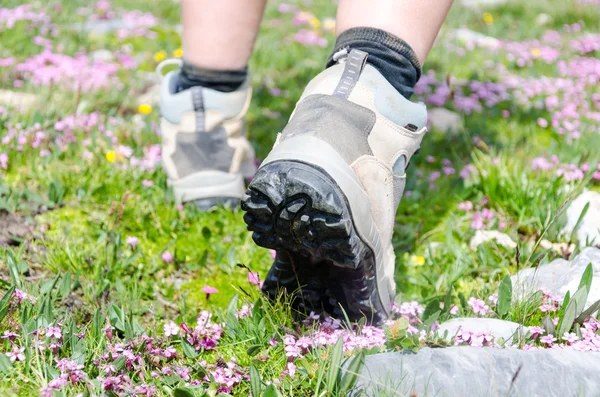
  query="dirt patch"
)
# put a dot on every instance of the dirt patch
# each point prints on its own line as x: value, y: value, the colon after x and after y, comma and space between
x: 13, y: 228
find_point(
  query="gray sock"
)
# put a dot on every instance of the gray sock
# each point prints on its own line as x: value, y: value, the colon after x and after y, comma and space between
x: 389, y: 54
x: 219, y: 80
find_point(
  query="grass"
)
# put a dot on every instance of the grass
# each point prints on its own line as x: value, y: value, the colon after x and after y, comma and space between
x: 81, y: 208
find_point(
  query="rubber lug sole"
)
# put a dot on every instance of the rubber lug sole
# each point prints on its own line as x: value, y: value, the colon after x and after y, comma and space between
x: 299, y: 211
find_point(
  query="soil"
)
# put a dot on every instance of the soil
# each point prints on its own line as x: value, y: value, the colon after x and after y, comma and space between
x: 13, y: 228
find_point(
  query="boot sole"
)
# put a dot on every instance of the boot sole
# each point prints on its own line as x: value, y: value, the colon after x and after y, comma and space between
x: 298, y: 210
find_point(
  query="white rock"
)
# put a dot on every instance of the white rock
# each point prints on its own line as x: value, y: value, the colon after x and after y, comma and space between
x: 588, y: 231
x: 499, y: 328
x: 483, y: 236
x: 482, y: 3
x: 469, y: 36
x: 468, y: 371
x: 445, y: 120
x: 21, y: 101
x: 559, y: 276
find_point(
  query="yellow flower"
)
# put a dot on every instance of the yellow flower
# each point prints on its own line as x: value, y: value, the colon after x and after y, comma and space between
x: 160, y: 56
x: 488, y: 18
x: 536, y: 52
x: 329, y: 24
x: 144, y: 108
x: 111, y: 156
x: 418, y: 260
x: 314, y: 22
x: 178, y: 53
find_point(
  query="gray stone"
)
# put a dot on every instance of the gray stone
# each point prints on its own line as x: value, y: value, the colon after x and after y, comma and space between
x: 560, y: 276
x: 501, y: 329
x: 482, y: 3
x: 484, y: 236
x: 445, y: 120
x: 480, y: 372
x: 21, y: 101
x: 470, y: 37
x: 588, y: 231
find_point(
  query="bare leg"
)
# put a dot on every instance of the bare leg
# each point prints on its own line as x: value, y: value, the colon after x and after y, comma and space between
x: 415, y: 21
x: 220, y: 35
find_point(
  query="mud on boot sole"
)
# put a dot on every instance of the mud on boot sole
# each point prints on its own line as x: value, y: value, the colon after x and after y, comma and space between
x: 298, y: 210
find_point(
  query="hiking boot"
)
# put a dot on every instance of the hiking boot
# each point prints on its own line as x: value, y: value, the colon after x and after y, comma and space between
x: 205, y: 153
x: 326, y: 196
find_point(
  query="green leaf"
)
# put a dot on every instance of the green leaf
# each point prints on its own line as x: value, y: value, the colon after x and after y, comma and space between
x: 13, y: 269
x: 119, y: 363
x: 566, y: 322
x: 586, y: 278
x: 566, y: 301
x: 4, y: 303
x: 432, y: 307
x: 49, y: 285
x: 580, y: 297
x: 186, y: 392
x: 65, y: 285
x: 253, y: 350
x: 270, y: 391
x: 432, y: 319
x: 463, y: 301
x: 188, y: 349
x: 588, y: 312
x: 233, y: 304
x: 334, y: 365
x: 504, y: 296
x: 255, y: 382
x: 117, y: 317
x: 5, y: 364
x: 548, y: 326
x: 352, y: 371
x: 578, y: 223
x: 448, y: 300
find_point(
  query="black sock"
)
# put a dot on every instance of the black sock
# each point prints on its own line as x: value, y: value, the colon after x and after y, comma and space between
x: 220, y: 80
x: 390, y: 55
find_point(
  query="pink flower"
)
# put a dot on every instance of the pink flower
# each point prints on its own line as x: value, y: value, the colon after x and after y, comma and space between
x: 535, y: 331
x: 16, y: 354
x: 4, y: 160
x: 291, y: 369
x: 170, y: 329
x: 570, y: 337
x: 493, y: 299
x: 478, y: 306
x: 167, y: 257
x: 11, y: 336
x: 208, y: 290
x: 132, y: 241
x: 548, y: 340
x: 546, y: 308
x: 147, y: 183
x: 453, y: 310
x: 542, y: 122
x: 273, y: 253
x: 465, y: 206
x: 254, y: 279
